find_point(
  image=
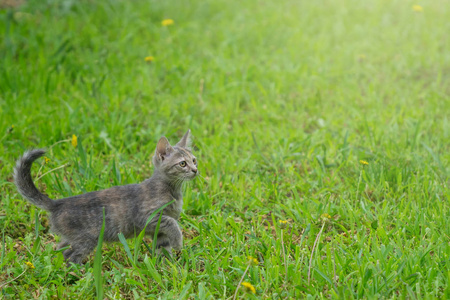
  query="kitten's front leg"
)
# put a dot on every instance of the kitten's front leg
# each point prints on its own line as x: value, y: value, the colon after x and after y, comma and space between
x: 169, y: 234
x: 163, y: 242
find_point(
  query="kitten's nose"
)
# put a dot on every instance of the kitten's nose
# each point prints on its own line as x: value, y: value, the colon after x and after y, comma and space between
x: 194, y: 170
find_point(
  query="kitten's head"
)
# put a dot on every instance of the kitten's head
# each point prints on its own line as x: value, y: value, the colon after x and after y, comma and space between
x: 176, y: 163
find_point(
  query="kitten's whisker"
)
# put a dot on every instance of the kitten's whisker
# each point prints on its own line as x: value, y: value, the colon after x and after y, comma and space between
x: 202, y: 177
x: 179, y: 182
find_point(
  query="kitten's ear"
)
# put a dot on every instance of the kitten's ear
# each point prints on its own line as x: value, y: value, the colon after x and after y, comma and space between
x: 185, y: 141
x: 163, y: 148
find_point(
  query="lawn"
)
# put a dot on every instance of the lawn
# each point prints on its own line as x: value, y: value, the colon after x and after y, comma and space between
x: 321, y: 128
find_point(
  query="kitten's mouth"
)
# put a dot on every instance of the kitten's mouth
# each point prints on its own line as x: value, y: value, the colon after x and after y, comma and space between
x: 191, y: 177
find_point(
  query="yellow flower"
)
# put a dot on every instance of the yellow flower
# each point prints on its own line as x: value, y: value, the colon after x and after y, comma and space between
x: 74, y: 140
x: 283, y: 224
x: 417, y: 8
x: 363, y: 162
x: 325, y: 216
x: 149, y: 59
x: 249, y: 287
x: 46, y: 159
x: 167, y: 22
x: 252, y: 260
x: 30, y: 265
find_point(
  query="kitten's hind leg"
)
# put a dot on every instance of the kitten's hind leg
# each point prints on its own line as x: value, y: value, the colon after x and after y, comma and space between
x: 62, y: 244
x: 79, y: 250
x: 67, y: 253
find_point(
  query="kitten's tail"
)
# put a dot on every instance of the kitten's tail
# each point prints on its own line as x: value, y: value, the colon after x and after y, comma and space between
x: 24, y: 182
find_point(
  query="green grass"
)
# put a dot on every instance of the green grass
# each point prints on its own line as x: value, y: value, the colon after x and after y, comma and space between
x: 284, y: 99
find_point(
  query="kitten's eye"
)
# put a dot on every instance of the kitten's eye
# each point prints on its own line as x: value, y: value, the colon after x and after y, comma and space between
x: 183, y: 164
x: 194, y: 161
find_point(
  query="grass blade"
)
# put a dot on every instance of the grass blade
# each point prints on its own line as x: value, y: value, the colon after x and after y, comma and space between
x: 123, y: 240
x: 98, y: 279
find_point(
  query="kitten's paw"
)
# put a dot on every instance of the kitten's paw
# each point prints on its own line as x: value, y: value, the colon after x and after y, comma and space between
x: 164, y: 251
x: 178, y: 245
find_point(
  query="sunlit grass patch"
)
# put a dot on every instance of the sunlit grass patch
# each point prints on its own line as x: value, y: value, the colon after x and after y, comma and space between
x: 321, y: 130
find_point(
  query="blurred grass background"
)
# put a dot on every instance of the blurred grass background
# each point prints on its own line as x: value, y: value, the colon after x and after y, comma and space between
x: 284, y: 99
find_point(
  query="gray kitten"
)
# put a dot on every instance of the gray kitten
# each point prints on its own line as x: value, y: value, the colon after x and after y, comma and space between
x: 79, y: 219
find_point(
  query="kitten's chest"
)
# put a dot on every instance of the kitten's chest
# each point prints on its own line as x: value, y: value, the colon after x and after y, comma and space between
x: 174, y: 209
